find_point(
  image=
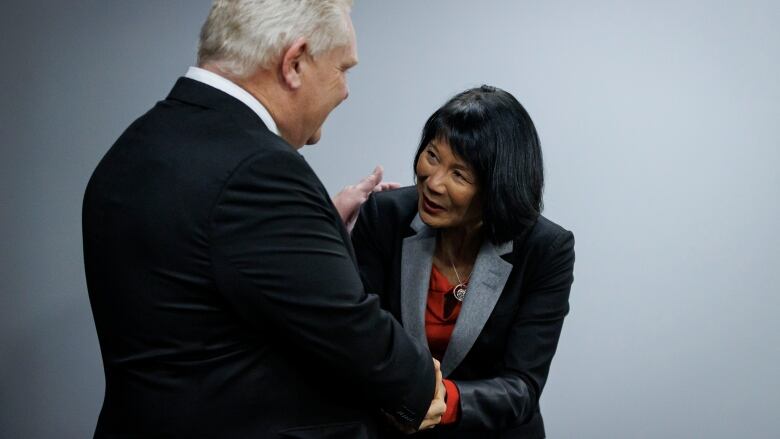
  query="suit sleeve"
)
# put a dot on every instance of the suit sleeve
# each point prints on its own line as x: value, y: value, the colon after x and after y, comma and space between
x: 282, y: 264
x: 368, y: 249
x: 512, y: 397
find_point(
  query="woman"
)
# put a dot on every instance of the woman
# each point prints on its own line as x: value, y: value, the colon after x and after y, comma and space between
x: 467, y: 264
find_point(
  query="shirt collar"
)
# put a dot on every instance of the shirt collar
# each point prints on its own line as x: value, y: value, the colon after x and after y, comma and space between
x: 227, y: 86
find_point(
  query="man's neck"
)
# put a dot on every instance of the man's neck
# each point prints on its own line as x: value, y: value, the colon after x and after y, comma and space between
x: 262, y: 86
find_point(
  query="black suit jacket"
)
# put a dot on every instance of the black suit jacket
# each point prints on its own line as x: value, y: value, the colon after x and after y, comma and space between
x: 224, y: 290
x: 508, y: 328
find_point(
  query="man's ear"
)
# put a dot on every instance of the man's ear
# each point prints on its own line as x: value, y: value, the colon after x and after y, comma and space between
x: 291, y: 63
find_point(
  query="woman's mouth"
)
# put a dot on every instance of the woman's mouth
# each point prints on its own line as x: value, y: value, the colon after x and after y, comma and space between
x: 430, y: 207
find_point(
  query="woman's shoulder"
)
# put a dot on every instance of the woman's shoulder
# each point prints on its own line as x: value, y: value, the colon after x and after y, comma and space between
x: 386, y: 216
x: 395, y: 205
x: 544, y: 236
x: 402, y: 197
x: 547, y: 229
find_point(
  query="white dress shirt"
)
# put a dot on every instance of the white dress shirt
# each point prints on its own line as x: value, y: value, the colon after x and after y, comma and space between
x: 225, y: 85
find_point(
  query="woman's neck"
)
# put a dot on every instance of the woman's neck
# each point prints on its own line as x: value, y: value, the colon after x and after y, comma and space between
x: 460, y: 245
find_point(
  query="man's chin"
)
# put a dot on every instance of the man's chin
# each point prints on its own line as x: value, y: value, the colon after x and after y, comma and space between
x: 314, y: 137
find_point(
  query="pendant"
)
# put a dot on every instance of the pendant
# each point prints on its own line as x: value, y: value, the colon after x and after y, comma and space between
x: 459, y: 292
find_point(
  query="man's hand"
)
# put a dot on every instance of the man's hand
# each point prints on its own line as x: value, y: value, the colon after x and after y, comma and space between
x: 435, y: 411
x: 349, y: 200
x: 438, y: 406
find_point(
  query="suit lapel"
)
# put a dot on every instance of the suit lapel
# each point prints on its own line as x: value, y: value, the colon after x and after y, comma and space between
x: 416, y: 260
x: 487, y: 281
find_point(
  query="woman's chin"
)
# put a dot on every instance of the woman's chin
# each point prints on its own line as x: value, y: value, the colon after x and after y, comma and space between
x: 430, y: 220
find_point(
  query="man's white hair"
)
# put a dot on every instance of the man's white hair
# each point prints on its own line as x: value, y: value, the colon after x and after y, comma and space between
x: 240, y: 36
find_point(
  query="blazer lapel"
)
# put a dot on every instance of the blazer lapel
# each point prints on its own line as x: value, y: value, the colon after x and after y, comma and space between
x: 416, y: 260
x: 487, y: 281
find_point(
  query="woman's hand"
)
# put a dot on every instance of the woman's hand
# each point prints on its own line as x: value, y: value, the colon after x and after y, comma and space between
x: 349, y: 199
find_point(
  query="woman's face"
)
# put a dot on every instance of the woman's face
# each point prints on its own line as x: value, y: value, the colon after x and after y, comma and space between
x: 447, y: 188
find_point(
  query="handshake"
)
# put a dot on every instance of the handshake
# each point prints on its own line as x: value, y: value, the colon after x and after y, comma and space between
x: 347, y: 203
x: 435, y: 411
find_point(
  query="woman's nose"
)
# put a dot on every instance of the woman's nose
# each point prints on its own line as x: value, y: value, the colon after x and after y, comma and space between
x: 435, y: 182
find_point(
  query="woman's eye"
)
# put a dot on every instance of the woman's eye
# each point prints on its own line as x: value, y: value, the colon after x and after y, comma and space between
x: 431, y: 155
x: 460, y: 177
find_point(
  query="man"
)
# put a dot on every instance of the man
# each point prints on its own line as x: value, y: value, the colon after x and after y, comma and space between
x: 221, y: 278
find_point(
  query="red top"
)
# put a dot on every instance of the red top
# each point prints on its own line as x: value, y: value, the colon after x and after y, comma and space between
x: 441, y: 313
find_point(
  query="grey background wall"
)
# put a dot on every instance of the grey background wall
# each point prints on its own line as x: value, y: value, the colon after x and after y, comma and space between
x: 659, y: 126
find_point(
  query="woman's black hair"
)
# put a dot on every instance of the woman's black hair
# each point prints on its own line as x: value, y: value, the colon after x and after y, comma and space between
x: 489, y: 129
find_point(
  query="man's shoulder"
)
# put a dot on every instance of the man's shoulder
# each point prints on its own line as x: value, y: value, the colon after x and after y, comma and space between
x: 203, y: 114
x: 177, y: 145
x: 228, y: 134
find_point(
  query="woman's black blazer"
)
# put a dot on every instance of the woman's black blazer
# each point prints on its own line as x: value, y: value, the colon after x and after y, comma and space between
x: 508, y: 327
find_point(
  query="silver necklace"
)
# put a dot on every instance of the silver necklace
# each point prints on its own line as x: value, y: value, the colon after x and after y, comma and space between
x: 460, y: 289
